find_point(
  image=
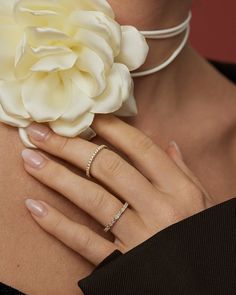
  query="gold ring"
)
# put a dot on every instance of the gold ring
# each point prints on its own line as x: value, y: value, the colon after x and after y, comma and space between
x: 92, y: 158
x: 116, y: 218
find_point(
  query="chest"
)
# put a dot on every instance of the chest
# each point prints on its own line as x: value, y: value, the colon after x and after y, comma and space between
x: 212, y: 161
x: 208, y: 151
x: 217, y: 173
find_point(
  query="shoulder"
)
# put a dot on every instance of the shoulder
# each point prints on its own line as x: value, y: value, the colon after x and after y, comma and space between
x: 227, y: 69
x: 27, y: 253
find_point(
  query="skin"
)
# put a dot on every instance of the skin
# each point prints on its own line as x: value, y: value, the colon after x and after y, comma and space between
x: 172, y: 194
x: 172, y: 103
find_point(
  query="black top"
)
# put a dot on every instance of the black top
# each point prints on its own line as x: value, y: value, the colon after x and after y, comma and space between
x: 196, y: 256
x: 193, y: 257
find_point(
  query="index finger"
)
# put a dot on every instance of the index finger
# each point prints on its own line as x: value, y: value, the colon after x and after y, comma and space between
x: 147, y: 156
x: 76, y: 236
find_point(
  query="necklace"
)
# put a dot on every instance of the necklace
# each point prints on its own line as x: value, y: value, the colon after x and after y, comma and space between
x: 165, y: 34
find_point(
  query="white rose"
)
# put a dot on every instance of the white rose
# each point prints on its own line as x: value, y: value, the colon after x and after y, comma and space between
x: 63, y: 61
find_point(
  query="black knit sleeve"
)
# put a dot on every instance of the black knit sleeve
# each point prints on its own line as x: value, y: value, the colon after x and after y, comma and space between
x: 194, y: 257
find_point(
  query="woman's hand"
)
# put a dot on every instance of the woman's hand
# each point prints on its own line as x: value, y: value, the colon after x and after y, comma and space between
x: 158, y: 186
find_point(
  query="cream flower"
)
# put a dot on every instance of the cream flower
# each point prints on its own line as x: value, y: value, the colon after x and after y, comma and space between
x: 63, y: 61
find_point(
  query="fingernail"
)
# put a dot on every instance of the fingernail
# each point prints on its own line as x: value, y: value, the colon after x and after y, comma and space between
x: 38, y: 132
x: 33, y: 159
x: 175, y: 145
x: 37, y: 208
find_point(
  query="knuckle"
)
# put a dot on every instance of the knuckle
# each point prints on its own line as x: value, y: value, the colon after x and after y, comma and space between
x: 60, y: 143
x: 46, y: 172
x: 55, y: 175
x: 191, y: 192
x: 187, y: 189
x: 198, y: 199
x: 82, y: 239
x: 98, y: 199
x: 57, y: 225
x: 174, y: 214
x: 142, y: 142
x: 110, y: 163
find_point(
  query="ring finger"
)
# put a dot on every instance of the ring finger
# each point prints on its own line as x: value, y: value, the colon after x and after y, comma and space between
x: 89, y: 196
x: 76, y: 236
x: 109, y: 168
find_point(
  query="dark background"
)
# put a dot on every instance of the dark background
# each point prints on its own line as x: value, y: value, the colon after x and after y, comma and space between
x: 214, y: 29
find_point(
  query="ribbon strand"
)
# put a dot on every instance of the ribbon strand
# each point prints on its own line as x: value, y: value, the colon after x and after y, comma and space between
x: 164, y: 34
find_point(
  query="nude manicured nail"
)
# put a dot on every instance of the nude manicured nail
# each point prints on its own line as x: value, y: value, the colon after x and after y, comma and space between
x: 38, y: 132
x: 35, y: 207
x: 33, y: 159
x: 175, y: 145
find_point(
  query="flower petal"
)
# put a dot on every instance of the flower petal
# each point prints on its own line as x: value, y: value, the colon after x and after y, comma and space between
x: 9, y: 37
x: 96, y: 43
x: 15, y: 122
x: 56, y: 62
x: 42, y: 58
x: 24, y: 58
x: 129, y: 108
x: 101, y: 24
x: 6, y: 7
x: 25, y: 138
x: 72, y: 129
x: 97, y: 5
x: 39, y: 13
x: 80, y: 102
x: 38, y: 36
x: 88, y: 134
x: 11, y: 100
x: 111, y: 99
x: 90, y: 62
x: 126, y: 81
x: 100, y: 5
x: 134, y: 48
x: 44, y: 96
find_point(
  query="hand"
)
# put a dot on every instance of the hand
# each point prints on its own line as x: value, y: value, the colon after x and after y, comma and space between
x: 158, y: 186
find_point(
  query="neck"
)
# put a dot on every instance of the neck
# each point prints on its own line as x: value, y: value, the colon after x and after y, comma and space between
x: 172, y: 96
x: 153, y: 15
x: 159, y: 92
x: 150, y: 14
x: 163, y: 92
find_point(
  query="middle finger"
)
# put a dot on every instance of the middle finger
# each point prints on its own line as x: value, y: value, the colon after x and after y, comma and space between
x: 89, y: 196
x: 108, y: 167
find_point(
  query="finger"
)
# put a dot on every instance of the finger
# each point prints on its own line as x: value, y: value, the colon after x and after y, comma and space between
x: 174, y: 152
x: 149, y: 158
x: 89, y: 196
x: 76, y: 236
x: 109, y: 168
